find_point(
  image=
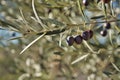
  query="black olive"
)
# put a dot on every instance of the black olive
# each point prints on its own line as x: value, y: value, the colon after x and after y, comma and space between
x: 103, y: 32
x: 70, y: 40
x: 90, y: 33
x: 85, y: 35
x: 78, y: 39
x: 107, y: 25
x: 85, y: 2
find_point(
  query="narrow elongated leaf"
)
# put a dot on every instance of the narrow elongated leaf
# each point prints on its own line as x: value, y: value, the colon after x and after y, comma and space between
x: 97, y: 17
x: 32, y: 43
x: 36, y: 15
x: 110, y: 37
x: 115, y: 67
x: 14, y: 38
x: 89, y: 47
x: 80, y: 58
x: 8, y: 23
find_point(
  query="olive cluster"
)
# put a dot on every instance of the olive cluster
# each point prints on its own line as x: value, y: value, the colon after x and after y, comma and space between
x: 107, y: 26
x: 86, y: 35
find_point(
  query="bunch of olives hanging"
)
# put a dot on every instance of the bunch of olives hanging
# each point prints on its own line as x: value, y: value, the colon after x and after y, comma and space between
x: 107, y: 26
x: 86, y: 35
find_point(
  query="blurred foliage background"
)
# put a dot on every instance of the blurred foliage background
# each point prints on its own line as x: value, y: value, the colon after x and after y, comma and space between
x: 50, y: 58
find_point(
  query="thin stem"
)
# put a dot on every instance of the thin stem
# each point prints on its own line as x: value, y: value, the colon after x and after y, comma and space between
x: 89, y: 47
x: 92, y: 23
x: 81, y: 10
x: 37, y: 17
x: 69, y: 26
x: 30, y: 44
x: 112, y: 9
x: 104, y: 10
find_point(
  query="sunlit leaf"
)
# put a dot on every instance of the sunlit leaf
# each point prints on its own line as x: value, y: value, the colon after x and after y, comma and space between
x: 80, y: 58
x: 32, y: 43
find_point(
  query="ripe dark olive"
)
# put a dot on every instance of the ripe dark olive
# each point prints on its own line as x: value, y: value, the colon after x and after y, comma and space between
x: 103, y: 33
x: 106, y: 1
x: 85, y: 35
x: 85, y: 2
x: 70, y: 40
x: 90, y: 33
x: 78, y: 39
x: 107, y: 25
